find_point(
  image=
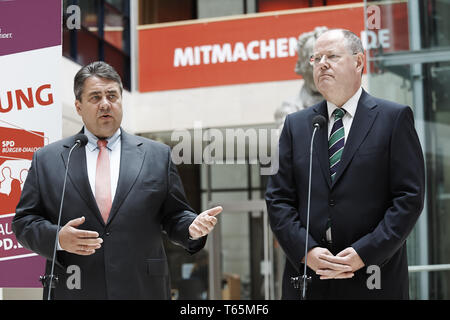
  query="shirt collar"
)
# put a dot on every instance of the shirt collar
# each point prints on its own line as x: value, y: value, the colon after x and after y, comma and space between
x: 349, y: 106
x: 92, y: 140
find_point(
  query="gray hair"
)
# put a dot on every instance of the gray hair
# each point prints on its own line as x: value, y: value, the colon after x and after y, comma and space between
x: 354, y: 43
x: 98, y: 69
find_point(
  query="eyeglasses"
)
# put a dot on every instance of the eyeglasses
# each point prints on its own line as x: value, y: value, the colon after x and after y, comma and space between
x: 332, y: 57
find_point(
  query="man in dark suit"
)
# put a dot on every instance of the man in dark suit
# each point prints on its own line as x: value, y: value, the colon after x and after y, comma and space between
x: 122, y: 192
x: 367, y: 184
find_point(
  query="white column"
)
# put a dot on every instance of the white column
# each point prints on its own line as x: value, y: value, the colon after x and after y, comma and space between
x: 134, y: 71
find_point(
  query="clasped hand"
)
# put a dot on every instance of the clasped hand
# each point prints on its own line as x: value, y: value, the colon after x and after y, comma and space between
x: 327, y: 266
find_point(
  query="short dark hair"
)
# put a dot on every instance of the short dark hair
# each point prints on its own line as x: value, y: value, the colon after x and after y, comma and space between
x: 95, y: 69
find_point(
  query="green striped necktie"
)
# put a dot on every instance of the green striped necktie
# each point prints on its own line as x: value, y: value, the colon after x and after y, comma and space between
x: 336, y: 141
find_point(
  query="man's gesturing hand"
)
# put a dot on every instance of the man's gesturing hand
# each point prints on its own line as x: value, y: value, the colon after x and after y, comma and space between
x: 204, y: 223
x: 82, y: 242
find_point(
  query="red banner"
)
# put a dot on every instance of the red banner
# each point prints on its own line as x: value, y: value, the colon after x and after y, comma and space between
x: 252, y: 49
x: 244, y: 50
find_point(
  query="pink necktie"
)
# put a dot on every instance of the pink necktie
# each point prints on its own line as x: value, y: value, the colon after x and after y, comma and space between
x: 103, y: 180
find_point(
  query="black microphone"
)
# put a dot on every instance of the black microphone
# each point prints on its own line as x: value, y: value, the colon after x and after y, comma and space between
x: 318, y: 122
x: 80, y: 140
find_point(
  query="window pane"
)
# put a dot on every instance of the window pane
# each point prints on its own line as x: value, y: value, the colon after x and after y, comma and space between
x: 114, y: 27
x: 438, y: 130
x: 436, y: 29
x: 87, y: 47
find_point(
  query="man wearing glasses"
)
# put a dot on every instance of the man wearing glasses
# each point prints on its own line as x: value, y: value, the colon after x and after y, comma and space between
x: 367, y: 187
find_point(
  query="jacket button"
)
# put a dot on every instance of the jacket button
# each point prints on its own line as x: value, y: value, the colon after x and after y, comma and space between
x: 332, y: 203
x: 107, y: 233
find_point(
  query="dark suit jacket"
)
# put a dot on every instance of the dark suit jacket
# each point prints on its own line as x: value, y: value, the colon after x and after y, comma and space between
x: 132, y: 263
x: 373, y: 203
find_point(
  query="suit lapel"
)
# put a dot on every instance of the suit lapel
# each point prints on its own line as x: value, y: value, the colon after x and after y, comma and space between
x: 365, y: 115
x: 78, y: 176
x: 321, y: 141
x: 131, y: 160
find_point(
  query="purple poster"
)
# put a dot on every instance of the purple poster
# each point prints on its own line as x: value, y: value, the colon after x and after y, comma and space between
x: 30, y: 117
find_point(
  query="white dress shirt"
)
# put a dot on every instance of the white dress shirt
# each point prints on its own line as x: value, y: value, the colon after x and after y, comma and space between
x: 114, y: 150
x: 347, y: 120
x: 350, y: 109
x: 92, y: 150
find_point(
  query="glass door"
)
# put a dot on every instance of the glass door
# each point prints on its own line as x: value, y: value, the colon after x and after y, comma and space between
x: 241, y: 247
